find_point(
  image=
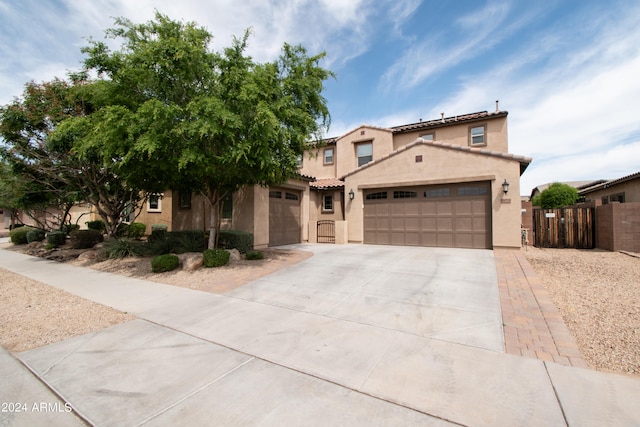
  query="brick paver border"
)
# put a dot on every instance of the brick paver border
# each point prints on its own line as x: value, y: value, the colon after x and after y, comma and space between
x: 533, y: 326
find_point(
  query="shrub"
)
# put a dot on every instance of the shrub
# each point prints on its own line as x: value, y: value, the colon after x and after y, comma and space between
x: 136, y: 230
x: 69, y: 228
x: 122, y: 230
x: 215, y: 258
x: 120, y: 248
x: 253, y: 255
x: 190, y: 240
x: 19, y: 235
x: 35, y: 235
x: 162, y: 263
x: 49, y: 246
x: 235, y: 239
x: 98, y: 224
x: 161, y: 244
x: 56, y: 237
x: 85, y: 239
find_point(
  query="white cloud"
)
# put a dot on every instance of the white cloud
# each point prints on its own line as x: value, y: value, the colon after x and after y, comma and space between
x: 573, y: 101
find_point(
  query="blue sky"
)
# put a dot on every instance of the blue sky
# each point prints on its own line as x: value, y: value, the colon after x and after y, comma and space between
x: 567, y: 71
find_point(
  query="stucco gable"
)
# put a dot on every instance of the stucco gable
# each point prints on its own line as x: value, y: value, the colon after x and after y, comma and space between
x: 523, y: 160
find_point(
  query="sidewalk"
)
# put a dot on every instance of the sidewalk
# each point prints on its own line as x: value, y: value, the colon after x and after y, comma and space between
x: 197, y: 358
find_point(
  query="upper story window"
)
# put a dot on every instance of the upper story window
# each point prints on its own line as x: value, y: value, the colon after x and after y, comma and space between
x: 364, y: 152
x: 299, y: 160
x: 328, y: 156
x: 428, y: 136
x: 477, y: 135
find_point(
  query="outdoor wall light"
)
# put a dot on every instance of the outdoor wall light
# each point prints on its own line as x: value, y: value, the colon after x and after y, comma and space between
x: 351, y: 194
x: 505, y: 186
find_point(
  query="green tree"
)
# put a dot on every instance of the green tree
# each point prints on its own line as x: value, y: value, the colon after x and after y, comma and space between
x: 558, y: 195
x: 187, y: 118
x: 39, y: 145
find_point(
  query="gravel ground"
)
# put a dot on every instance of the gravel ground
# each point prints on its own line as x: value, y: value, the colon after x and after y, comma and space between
x: 598, y: 295
x: 34, y: 314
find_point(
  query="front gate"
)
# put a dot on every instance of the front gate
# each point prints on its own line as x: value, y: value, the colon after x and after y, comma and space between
x: 564, y: 228
x: 326, y: 231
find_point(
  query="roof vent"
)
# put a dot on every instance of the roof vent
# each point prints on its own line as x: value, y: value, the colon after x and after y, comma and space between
x: 442, y: 117
x: 497, y: 108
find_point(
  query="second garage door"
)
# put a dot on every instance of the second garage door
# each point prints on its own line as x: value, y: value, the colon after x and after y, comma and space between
x: 453, y: 215
x: 284, y: 216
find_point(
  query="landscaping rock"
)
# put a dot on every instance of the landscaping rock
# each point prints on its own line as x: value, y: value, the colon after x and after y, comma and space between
x: 190, y: 261
x: 234, y: 254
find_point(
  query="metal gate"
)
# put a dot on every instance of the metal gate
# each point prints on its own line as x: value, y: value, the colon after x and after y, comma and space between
x: 326, y: 231
x: 564, y: 228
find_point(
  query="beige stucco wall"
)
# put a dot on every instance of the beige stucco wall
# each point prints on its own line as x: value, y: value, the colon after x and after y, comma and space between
x: 497, y: 135
x: 163, y: 216
x: 313, y: 163
x: 631, y: 190
x: 346, y: 147
x: 442, y: 165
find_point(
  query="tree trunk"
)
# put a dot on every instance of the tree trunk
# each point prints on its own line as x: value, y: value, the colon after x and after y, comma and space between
x: 214, y: 223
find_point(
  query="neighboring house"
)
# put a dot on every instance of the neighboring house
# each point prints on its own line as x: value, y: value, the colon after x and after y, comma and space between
x: 431, y: 183
x: 623, y: 190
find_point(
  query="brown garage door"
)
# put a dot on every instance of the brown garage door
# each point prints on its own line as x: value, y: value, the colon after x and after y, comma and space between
x: 284, y: 216
x: 454, y: 215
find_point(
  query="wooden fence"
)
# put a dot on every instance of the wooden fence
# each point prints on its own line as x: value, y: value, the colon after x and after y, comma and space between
x: 564, y: 228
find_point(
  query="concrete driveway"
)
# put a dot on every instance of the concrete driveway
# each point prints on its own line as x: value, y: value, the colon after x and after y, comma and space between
x: 442, y: 293
x: 355, y: 335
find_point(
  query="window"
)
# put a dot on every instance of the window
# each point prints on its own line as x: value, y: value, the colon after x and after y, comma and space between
x: 438, y: 192
x: 227, y: 206
x: 476, y: 135
x: 405, y: 194
x: 364, y: 152
x: 617, y: 198
x: 472, y: 191
x: 275, y: 194
x: 299, y: 160
x: 154, y: 203
x: 377, y: 196
x: 605, y: 200
x: 291, y: 196
x: 328, y: 156
x: 327, y: 203
x: 185, y: 199
x: 427, y: 137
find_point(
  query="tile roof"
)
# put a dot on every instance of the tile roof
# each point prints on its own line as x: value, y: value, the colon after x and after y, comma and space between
x: 445, y: 121
x: 609, y: 183
x: 524, y: 161
x: 326, y: 183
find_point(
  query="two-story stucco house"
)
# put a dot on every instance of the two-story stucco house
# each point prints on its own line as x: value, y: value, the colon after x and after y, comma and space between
x: 449, y: 182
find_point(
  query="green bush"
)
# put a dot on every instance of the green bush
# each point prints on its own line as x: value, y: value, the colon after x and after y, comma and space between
x: 235, y: 239
x: 56, y: 237
x: 122, y: 230
x: 18, y: 235
x: 49, y: 246
x: 69, y: 228
x: 215, y: 258
x: 35, y: 235
x: 162, y: 263
x: 136, y: 230
x: 119, y: 248
x: 253, y: 255
x: 98, y: 224
x: 190, y: 240
x: 85, y: 239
